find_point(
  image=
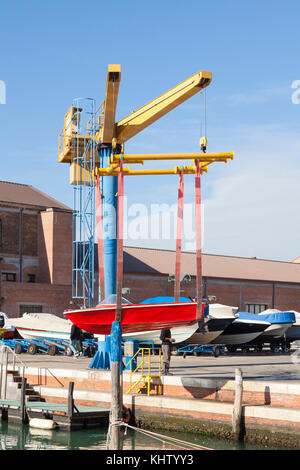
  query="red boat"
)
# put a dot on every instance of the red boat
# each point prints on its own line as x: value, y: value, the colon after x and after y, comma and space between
x: 135, y: 317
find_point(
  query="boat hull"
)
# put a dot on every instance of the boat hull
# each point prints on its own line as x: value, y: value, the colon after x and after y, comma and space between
x: 41, y: 334
x: 274, y: 332
x: 211, y: 330
x: 293, y: 333
x: 42, y: 325
x: 241, y: 331
x: 135, y: 317
x: 179, y: 334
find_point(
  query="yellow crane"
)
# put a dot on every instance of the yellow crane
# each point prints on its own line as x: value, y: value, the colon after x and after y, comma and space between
x: 116, y: 134
x: 109, y: 137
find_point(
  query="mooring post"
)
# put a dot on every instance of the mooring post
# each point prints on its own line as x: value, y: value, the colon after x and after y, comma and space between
x: 70, y: 399
x: 237, y: 406
x: 5, y: 371
x: 116, y: 399
x: 22, y: 403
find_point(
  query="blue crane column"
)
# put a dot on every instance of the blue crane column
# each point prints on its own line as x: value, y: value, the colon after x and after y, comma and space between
x: 110, y: 223
x: 110, y: 206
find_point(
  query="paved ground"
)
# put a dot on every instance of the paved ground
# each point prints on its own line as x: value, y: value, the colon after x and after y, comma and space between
x: 261, y: 366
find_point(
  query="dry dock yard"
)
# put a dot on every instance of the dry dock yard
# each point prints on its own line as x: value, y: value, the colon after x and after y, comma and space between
x: 199, y: 397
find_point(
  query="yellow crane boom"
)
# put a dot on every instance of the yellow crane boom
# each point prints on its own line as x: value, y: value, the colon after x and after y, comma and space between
x: 151, y: 112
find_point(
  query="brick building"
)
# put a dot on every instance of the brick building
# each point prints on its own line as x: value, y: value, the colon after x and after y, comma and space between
x: 35, y: 251
x: 251, y: 284
x: 36, y: 264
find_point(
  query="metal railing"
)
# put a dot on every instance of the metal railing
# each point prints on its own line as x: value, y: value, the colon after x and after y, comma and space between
x: 145, y: 369
x: 4, y: 361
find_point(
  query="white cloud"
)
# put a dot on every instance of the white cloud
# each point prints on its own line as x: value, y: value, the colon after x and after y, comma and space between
x: 252, y: 203
x: 253, y: 210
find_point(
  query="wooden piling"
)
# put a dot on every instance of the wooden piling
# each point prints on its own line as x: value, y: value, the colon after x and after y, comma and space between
x: 237, y: 427
x: 70, y: 399
x: 22, y: 402
x: 116, y: 331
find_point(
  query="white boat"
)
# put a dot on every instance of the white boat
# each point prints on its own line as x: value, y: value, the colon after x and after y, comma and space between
x: 219, y: 318
x: 242, y: 331
x: 179, y: 334
x: 293, y: 332
x: 275, y: 330
x: 42, y: 325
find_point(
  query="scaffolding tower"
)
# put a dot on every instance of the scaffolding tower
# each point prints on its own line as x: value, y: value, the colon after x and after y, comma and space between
x: 83, y: 128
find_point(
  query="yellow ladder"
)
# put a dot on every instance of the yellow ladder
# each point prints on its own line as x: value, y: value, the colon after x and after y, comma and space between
x: 144, y: 367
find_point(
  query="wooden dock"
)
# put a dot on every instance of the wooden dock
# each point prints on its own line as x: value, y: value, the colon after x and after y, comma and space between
x: 68, y: 417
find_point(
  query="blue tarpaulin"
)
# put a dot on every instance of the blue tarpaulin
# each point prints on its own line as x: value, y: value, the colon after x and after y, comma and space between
x: 277, y: 317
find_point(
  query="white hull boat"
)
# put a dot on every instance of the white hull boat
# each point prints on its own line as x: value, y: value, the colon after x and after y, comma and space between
x: 280, y: 323
x: 220, y: 316
x: 242, y: 331
x: 42, y: 325
x: 293, y: 332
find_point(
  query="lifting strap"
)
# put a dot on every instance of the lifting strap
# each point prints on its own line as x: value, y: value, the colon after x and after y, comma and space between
x: 120, y: 243
x: 179, y: 238
x: 100, y: 238
x: 199, y: 315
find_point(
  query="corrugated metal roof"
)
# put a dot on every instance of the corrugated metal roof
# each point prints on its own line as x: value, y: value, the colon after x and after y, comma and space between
x: 218, y: 266
x: 25, y: 195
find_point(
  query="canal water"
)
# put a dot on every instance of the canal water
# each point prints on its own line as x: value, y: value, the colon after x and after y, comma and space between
x: 23, y: 437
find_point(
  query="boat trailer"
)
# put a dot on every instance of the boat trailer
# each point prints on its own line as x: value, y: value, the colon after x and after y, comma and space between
x: 196, y: 349
x: 49, y: 346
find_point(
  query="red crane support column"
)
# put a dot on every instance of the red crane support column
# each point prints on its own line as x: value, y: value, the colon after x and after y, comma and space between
x: 198, y: 242
x: 100, y: 238
x: 179, y: 238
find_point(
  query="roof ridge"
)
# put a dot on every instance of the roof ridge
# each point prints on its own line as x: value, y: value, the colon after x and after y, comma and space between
x: 17, y: 184
x: 214, y: 254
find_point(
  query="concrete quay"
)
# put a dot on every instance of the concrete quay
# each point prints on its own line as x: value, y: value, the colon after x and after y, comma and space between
x: 201, y: 390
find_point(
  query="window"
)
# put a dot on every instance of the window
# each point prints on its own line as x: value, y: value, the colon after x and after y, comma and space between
x: 256, y: 308
x: 31, y: 278
x: 10, y: 277
x: 0, y: 232
x: 30, y: 308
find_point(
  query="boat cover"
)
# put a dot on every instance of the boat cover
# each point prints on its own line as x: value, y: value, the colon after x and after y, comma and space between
x: 278, y: 317
x: 164, y: 300
x: 169, y: 300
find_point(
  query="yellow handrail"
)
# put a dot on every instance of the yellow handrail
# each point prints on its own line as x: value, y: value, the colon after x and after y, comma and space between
x: 144, y: 364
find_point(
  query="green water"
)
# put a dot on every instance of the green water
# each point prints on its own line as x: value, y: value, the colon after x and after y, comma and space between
x: 23, y: 437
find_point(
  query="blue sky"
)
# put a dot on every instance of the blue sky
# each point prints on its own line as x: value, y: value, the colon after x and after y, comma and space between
x: 54, y: 52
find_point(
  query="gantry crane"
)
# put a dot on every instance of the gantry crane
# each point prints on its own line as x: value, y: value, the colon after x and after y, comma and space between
x: 96, y: 148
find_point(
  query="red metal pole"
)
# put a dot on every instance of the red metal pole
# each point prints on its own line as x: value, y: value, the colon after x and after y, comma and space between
x: 179, y: 238
x: 120, y: 243
x: 198, y: 242
x: 100, y: 238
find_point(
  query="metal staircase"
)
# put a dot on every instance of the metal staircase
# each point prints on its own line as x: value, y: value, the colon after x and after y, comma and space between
x: 145, y: 369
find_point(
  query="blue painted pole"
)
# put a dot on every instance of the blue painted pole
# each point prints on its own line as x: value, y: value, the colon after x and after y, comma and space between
x: 110, y: 204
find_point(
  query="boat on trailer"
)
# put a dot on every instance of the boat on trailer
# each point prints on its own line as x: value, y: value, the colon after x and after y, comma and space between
x: 293, y: 332
x: 242, y: 330
x: 135, y: 317
x: 280, y: 323
x: 42, y: 325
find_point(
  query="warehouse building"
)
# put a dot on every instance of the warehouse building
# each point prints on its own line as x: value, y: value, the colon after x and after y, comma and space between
x: 251, y: 284
x: 35, y: 251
